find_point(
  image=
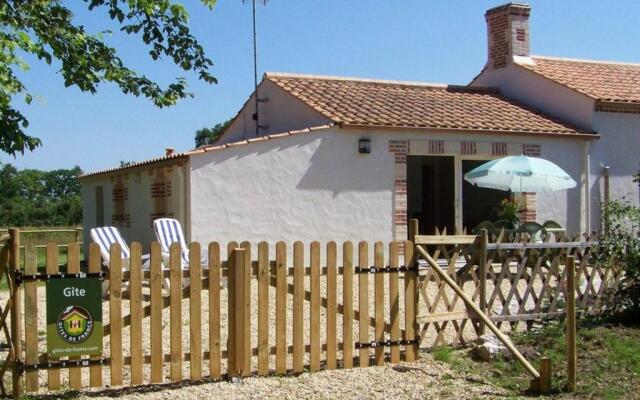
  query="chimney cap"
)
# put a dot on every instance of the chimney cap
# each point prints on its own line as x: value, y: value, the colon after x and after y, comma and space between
x: 513, y: 7
x: 169, y: 151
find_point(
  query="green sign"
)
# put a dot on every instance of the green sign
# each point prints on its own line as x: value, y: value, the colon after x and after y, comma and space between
x: 74, y: 317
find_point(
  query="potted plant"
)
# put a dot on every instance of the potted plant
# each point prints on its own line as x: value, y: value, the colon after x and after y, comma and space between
x: 509, y: 211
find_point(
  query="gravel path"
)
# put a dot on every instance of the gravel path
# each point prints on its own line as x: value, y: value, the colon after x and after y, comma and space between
x: 424, y: 379
x: 428, y: 336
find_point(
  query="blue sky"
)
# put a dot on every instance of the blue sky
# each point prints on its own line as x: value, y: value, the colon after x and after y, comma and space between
x: 417, y: 40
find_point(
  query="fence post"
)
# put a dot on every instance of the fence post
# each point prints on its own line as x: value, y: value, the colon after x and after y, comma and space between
x: 484, y: 240
x: 412, y: 352
x: 16, y: 312
x: 545, y: 376
x: 414, y: 229
x: 239, y: 328
x: 411, y: 302
x: 571, y: 324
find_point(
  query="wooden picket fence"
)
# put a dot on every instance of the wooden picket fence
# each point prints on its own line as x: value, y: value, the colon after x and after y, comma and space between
x: 250, y: 313
x: 286, y: 309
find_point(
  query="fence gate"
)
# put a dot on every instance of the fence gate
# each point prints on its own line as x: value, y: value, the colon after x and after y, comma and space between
x: 445, y: 319
x: 262, y: 310
x: 515, y: 280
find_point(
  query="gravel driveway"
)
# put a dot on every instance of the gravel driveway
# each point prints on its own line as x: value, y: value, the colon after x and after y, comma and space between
x: 424, y: 379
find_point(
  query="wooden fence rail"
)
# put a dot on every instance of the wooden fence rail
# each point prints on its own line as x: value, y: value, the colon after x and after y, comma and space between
x: 232, y: 317
x: 277, y: 309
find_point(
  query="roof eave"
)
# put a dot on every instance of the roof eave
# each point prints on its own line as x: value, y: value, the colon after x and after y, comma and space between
x: 141, y: 164
x: 585, y: 135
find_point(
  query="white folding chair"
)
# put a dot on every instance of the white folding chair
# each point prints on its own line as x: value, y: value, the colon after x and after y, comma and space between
x: 169, y: 231
x: 106, y: 236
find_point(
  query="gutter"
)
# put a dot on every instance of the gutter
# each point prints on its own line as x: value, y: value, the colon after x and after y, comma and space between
x: 585, y: 136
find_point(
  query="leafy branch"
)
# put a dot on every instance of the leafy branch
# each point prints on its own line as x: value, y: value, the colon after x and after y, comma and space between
x: 45, y: 29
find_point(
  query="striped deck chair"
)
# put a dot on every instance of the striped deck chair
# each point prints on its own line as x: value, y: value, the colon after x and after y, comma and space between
x: 105, y: 237
x: 169, y: 231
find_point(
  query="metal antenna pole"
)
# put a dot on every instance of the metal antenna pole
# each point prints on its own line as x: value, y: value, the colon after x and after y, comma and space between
x: 255, y: 69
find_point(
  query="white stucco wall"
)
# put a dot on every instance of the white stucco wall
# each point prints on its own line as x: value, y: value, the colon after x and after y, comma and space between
x: 305, y: 187
x: 618, y: 148
x: 317, y: 187
x: 619, y: 143
x: 566, y: 207
x: 530, y: 88
x: 140, y: 204
x: 89, y: 205
x: 282, y: 112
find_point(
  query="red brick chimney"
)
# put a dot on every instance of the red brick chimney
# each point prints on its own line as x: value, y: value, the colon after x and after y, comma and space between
x: 169, y: 151
x: 507, y: 33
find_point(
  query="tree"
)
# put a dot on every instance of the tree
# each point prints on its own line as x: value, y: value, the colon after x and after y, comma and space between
x: 208, y: 136
x: 46, y: 30
x: 32, y: 197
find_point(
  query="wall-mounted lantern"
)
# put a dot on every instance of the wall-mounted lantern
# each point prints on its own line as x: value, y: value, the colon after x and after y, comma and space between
x: 364, y: 146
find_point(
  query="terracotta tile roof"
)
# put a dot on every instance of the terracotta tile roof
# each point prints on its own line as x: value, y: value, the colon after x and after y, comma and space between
x: 359, y: 102
x: 604, y: 81
x: 134, y: 164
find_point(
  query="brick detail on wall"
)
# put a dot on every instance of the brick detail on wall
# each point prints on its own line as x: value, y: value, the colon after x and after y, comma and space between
x: 436, y: 146
x: 399, y: 149
x: 161, y: 193
x: 161, y: 189
x: 532, y: 150
x: 499, y: 148
x: 468, y: 148
x: 120, y: 198
x: 530, y: 212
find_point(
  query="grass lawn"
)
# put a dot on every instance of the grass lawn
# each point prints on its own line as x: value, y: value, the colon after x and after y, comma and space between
x: 608, y: 361
x: 43, y: 238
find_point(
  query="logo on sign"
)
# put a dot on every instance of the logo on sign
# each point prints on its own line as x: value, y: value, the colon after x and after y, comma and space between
x: 74, y: 324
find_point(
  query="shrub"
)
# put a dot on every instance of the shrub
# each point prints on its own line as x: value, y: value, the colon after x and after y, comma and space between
x: 620, y: 248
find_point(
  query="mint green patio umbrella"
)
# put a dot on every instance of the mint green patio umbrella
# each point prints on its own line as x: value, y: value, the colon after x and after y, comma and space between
x: 520, y: 174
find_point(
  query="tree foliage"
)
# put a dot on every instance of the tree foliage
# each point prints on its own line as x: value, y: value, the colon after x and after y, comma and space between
x: 208, y: 136
x: 32, y: 197
x: 620, y: 247
x: 46, y: 30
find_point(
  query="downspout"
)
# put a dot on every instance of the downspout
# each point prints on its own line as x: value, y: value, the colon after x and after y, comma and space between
x: 186, y: 172
x: 587, y: 183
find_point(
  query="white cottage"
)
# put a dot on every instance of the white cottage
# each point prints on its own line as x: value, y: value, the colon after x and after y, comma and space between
x: 352, y: 159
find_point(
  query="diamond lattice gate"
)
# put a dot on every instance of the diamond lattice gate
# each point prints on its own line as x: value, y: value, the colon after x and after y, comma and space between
x: 515, y: 280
